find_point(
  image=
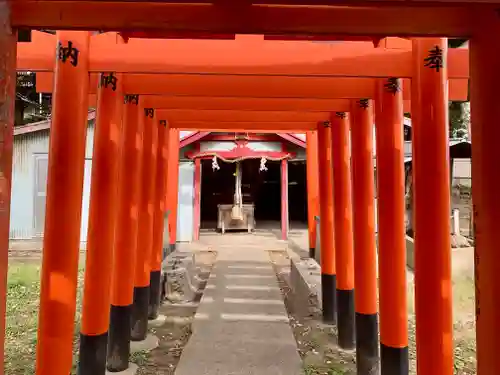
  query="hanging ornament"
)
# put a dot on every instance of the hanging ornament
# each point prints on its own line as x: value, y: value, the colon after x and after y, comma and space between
x: 215, y: 165
x: 263, y: 167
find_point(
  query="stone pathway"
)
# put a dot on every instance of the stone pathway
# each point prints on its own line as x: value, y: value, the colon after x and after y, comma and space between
x: 241, y: 326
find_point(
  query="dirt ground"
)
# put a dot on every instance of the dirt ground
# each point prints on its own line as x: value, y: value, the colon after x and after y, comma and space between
x: 175, y: 333
x: 317, y: 342
x: 22, y: 319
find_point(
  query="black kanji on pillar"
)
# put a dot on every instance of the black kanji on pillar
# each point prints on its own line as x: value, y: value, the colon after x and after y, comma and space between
x: 149, y: 112
x: 363, y: 103
x: 132, y: 99
x: 68, y: 53
x: 435, y: 59
x: 326, y: 124
x: 163, y: 122
x: 392, y: 85
x: 340, y: 114
x: 108, y: 80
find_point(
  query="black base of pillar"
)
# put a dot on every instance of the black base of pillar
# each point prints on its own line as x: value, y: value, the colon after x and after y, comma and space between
x: 154, y: 294
x: 345, y: 319
x: 367, y: 356
x: 312, y: 252
x: 329, y: 297
x: 393, y: 361
x: 92, y: 360
x: 119, y: 338
x: 139, y: 325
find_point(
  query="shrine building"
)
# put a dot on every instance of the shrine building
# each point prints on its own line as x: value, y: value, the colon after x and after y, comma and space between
x: 273, y: 181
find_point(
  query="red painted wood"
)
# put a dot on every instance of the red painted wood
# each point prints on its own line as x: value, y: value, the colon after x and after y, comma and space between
x: 196, y: 136
x: 8, y: 93
x: 284, y: 199
x: 241, y: 151
x: 293, y: 139
x: 250, y: 137
x: 174, y: 35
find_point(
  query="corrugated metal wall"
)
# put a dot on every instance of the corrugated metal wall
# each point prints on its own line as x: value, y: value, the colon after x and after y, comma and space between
x: 27, y: 147
x: 186, y: 202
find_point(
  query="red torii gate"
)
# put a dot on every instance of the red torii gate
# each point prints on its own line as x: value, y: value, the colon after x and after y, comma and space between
x: 398, y: 340
x: 394, y: 339
x: 466, y: 19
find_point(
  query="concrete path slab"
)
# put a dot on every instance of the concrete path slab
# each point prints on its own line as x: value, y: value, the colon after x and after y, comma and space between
x: 151, y: 342
x: 241, y: 326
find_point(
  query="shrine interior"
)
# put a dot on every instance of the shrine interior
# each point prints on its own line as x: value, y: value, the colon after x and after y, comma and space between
x: 297, y: 194
x: 262, y: 188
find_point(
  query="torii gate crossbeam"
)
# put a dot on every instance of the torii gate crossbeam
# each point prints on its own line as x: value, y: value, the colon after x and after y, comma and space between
x: 388, y: 20
x: 246, y: 55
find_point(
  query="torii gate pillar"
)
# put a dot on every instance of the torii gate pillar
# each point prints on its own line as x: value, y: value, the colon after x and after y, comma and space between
x: 312, y: 188
x: 343, y: 229
x: 431, y: 182
x: 101, y: 233
x: 328, y: 270
x: 365, y: 252
x: 140, y: 307
x: 8, y: 47
x: 391, y: 240
x: 158, y: 223
x: 126, y: 228
x: 485, y: 82
x: 61, y: 242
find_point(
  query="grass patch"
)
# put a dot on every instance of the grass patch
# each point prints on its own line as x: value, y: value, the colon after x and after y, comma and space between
x: 23, y: 300
x: 140, y: 358
x: 23, y: 297
x: 313, y: 370
x: 464, y: 327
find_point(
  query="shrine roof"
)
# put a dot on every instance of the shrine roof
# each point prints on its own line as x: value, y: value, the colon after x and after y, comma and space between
x: 44, y: 125
x: 187, y: 139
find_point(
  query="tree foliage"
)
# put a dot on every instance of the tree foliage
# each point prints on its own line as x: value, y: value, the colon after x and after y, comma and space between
x: 459, y: 114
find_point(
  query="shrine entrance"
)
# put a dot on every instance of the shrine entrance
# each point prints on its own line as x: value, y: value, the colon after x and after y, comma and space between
x: 297, y: 194
x: 260, y: 193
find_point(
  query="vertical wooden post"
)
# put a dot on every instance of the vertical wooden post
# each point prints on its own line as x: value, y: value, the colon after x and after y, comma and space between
x: 312, y: 188
x: 140, y: 307
x: 431, y: 171
x: 8, y: 48
x: 485, y: 81
x: 284, y: 199
x: 328, y: 270
x: 61, y: 242
x: 100, y: 237
x: 173, y: 184
x: 343, y: 229
x: 122, y: 285
x: 365, y: 253
x: 197, y: 198
x: 391, y: 228
x: 158, y: 224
